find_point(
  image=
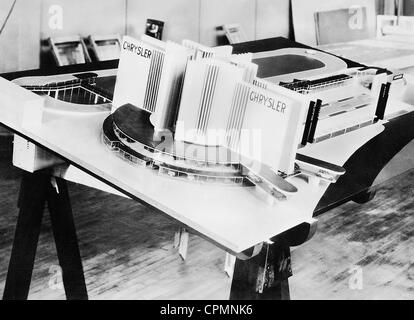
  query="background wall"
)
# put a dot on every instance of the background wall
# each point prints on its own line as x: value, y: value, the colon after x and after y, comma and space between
x: 19, y: 42
x: 33, y: 20
x: 181, y: 17
x: 197, y: 20
x: 83, y: 17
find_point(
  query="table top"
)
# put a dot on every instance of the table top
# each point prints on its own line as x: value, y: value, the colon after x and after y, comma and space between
x: 390, y: 51
x: 235, y: 218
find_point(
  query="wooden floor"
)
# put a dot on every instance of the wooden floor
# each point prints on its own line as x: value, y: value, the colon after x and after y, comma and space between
x: 359, y: 251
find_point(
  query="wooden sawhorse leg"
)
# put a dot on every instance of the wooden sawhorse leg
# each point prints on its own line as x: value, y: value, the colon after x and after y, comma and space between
x: 35, y: 191
x: 181, y: 240
x: 265, y: 276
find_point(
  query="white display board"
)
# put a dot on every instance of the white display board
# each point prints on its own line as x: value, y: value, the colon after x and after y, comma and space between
x: 303, y: 13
